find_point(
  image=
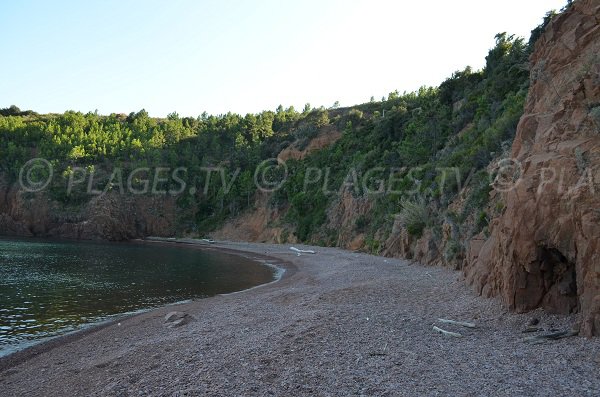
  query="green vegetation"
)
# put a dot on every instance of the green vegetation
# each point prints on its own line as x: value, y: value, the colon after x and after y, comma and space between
x: 428, y: 146
x: 411, y: 153
x: 414, y: 217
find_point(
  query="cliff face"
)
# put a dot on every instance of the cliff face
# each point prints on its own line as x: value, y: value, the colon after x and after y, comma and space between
x: 258, y: 225
x: 106, y: 217
x: 544, y: 249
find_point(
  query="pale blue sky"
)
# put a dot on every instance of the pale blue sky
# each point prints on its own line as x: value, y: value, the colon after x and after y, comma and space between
x: 241, y: 56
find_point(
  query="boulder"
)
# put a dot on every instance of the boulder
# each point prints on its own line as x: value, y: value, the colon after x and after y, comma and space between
x: 176, y: 319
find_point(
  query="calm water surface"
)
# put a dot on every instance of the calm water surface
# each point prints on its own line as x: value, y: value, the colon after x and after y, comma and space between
x: 48, y: 288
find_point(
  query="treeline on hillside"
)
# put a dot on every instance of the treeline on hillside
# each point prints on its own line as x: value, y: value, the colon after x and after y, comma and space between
x: 100, y: 144
x: 463, y: 124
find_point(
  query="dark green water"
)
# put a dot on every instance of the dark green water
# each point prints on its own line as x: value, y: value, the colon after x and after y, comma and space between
x: 48, y: 288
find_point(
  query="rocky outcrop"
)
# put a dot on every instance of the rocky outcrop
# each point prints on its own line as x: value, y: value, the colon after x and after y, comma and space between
x: 260, y: 224
x: 344, y: 217
x: 544, y: 249
x: 327, y: 136
x: 109, y: 216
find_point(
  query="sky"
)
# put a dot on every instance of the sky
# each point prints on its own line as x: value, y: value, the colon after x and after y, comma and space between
x: 241, y: 56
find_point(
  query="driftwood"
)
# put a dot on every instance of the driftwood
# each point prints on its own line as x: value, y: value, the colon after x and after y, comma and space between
x: 531, y: 329
x: 461, y: 323
x: 447, y: 333
x: 299, y: 251
x: 550, y: 336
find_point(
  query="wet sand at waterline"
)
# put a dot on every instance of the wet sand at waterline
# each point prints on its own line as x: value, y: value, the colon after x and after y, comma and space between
x: 336, y: 323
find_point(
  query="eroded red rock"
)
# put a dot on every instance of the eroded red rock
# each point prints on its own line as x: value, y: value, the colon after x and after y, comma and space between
x: 544, y: 250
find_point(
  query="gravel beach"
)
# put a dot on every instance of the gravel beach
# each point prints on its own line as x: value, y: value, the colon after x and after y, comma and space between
x: 338, y: 323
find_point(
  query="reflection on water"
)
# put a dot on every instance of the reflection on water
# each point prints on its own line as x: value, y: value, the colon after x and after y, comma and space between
x: 48, y: 288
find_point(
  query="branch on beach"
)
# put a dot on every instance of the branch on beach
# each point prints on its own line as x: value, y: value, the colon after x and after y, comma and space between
x: 550, y: 336
x: 299, y: 251
x: 461, y: 323
x: 447, y: 333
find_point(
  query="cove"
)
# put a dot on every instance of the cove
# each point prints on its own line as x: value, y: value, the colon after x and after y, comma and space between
x: 49, y: 287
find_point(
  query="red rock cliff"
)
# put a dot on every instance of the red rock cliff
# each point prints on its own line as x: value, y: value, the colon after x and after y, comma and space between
x: 544, y: 250
x: 104, y: 217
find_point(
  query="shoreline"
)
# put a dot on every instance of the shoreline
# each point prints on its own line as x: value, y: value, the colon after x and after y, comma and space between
x: 338, y: 322
x: 22, y: 355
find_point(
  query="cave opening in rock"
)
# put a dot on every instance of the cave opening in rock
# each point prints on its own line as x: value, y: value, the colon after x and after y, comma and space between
x: 559, y: 281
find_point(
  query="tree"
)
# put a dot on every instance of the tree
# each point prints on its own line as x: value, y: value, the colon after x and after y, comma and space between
x: 246, y: 183
x: 11, y: 111
x: 77, y: 153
